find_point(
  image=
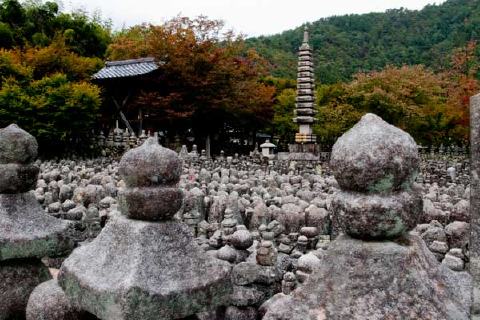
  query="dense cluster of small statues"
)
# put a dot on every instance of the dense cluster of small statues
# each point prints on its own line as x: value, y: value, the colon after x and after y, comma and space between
x: 267, y: 228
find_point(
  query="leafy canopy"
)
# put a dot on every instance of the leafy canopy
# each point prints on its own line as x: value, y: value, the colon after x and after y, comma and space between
x: 209, y: 80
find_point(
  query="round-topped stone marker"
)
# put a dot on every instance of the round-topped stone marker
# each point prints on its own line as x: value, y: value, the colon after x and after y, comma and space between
x: 374, y: 157
x: 375, y: 165
x: 17, y: 146
x: 150, y: 165
x: 151, y: 174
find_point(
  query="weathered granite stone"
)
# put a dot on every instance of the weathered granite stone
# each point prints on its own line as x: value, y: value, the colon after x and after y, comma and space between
x: 246, y: 273
x: 288, y: 283
x: 376, y: 216
x: 145, y: 270
x: 454, y: 263
x: 375, y: 164
x: 266, y: 254
x: 227, y: 253
x: 307, y: 264
x: 309, y: 232
x: 352, y: 283
x: 475, y: 201
x: 457, y: 232
x: 460, y: 211
x: 17, y: 279
x: 236, y: 313
x: 76, y: 213
x: 26, y: 231
x: 438, y: 247
x: 49, y: 302
x: 243, y: 296
x: 112, y: 277
x: 241, y: 239
x: 374, y: 156
x: 17, y: 178
x: 159, y: 165
x: 150, y: 203
x: 17, y: 146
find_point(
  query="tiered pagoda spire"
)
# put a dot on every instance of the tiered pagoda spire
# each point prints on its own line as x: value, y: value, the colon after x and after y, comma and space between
x: 305, y: 106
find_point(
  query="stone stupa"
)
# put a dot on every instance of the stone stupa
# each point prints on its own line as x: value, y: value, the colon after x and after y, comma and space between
x: 375, y: 269
x: 144, y: 264
x: 27, y: 233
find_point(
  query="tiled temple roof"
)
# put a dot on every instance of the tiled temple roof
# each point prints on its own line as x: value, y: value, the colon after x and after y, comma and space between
x: 126, y: 68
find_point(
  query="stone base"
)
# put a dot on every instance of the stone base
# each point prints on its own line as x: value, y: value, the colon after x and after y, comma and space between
x: 18, y: 278
x: 144, y: 270
x: 304, y: 152
x: 312, y: 148
x: 377, y: 280
x: 27, y: 231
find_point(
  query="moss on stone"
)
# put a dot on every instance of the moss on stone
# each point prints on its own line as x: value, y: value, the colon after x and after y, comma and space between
x: 383, y: 185
x: 36, y: 248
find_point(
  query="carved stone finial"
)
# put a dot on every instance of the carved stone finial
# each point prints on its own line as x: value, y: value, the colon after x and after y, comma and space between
x: 305, y: 35
x: 375, y: 164
x: 151, y: 173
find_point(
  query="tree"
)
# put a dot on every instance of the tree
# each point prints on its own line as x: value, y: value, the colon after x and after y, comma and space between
x: 59, y: 113
x: 335, y: 114
x: 59, y: 109
x: 208, y: 81
x: 346, y: 45
x: 38, y: 24
x: 59, y: 57
x: 463, y: 82
x: 282, y: 124
x: 412, y: 98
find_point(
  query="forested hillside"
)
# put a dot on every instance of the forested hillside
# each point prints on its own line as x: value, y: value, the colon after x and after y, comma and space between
x: 345, y: 45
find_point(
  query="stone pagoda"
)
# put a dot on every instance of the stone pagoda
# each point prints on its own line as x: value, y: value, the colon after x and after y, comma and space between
x: 144, y: 264
x: 376, y: 269
x: 27, y: 233
x: 305, y: 147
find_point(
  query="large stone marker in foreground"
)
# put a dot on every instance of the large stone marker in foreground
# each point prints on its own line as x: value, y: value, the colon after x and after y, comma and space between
x: 145, y: 265
x: 475, y: 202
x: 375, y: 270
x: 27, y: 233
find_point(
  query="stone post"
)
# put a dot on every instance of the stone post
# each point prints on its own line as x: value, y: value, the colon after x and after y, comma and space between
x: 27, y: 233
x: 475, y: 202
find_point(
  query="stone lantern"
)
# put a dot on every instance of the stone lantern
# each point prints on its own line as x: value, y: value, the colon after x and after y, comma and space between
x: 267, y: 149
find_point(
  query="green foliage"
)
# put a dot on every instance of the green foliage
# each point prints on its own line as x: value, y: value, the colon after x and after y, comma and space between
x: 37, y: 24
x: 283, y: 126
x: 209, y: 81
x: 11, y: 68
x: 335, y: 114
x: 346, y: 45
x: 6, y: 36
x: 44, y: 91
x: 58, y: 57
x: 412, y: 98
x: 59, y: 113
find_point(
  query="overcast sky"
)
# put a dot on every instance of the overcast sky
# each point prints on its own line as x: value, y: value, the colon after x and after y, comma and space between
x: 250, y: 17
